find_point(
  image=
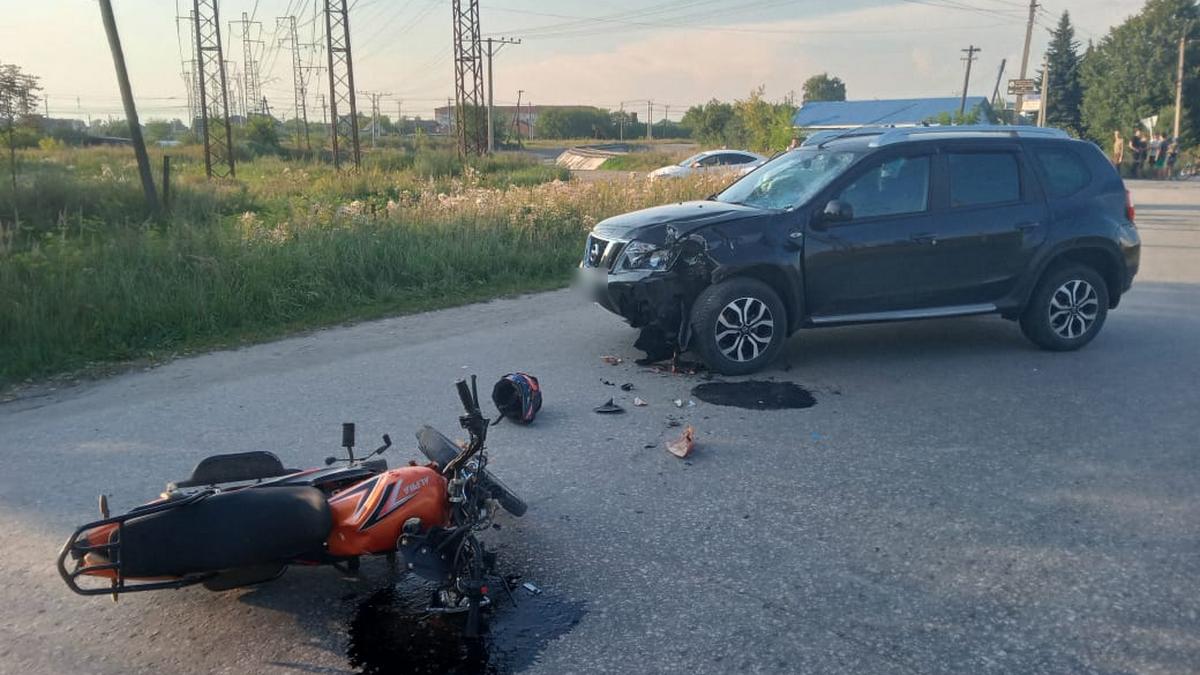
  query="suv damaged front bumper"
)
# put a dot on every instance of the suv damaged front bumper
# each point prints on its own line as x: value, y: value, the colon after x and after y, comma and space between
x: 659, y: 303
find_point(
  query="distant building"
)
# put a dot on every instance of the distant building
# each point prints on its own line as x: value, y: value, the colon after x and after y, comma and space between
x: 900, y: 112
x: 51, y: 124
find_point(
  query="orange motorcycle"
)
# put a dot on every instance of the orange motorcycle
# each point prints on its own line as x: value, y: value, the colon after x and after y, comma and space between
x: 242, y: 518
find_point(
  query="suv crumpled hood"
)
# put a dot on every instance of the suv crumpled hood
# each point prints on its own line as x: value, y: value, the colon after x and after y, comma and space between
x: 650, y: 225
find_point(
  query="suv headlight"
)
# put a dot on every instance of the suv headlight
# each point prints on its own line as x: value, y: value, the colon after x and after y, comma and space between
x: 639, y: 255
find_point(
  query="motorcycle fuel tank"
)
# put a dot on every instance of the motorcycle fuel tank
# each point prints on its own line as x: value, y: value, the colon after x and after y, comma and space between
x: 368, y: 517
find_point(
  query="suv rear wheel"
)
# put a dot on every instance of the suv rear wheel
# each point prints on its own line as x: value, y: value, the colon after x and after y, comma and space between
x: 738, y: 326
x: 1067, y: 309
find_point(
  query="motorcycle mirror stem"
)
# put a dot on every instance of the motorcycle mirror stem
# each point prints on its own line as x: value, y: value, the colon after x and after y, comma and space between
x: 348, y: 438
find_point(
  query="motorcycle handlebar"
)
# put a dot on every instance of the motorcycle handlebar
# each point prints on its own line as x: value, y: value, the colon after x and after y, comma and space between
x: 464, y: 395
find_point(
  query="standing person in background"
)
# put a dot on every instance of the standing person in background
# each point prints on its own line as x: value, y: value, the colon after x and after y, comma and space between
x: 1118, y: 151
x: 1172, y: 157
x: 1153, y: 145
x: 1160, y: 157
x: 1137, y: 145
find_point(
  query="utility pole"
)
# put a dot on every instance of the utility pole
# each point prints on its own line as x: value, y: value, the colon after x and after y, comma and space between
x: 621, y: 123
x: 999, y: 79
x: 324, y: 119
x: 135, y: 129
x: 649, y: 120
x: 1033, y: 6
x: 517, y: 117
x: 252, y: 86
x: 399, y: 118
x: 375, y: 96
x: 492, y: 49
x: 214, y: 91
x: 1183, y: 40
x: 969, y: 58
x: 299, y: 83
x: 468, y: 77
x: 344, y: 127
x: 1045, y: 93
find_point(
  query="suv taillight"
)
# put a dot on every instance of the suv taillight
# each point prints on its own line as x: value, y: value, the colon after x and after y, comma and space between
x: 1130, y: 212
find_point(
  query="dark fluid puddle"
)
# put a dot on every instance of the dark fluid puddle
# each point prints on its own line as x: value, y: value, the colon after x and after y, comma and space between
x: 392, y: 633
x: 755, y: 395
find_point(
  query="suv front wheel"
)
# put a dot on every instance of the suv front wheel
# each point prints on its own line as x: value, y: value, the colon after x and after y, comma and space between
x: 738, y: 326
x: 1067, y: 309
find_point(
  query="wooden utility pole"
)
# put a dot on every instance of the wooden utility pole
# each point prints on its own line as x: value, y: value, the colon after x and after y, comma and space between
x: 494, y: 45
x: 1183, y: 40
x: 1033, y: 6
x: 131, y: 116
x: 1045, y: 93
x: 969, y: 58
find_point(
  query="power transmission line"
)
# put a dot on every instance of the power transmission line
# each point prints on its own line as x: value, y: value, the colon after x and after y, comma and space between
x: 344, y: 125
x: 468, y: 78
x: 214, y: 93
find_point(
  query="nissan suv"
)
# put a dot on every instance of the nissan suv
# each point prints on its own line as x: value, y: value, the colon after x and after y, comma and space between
x: 873, y: 225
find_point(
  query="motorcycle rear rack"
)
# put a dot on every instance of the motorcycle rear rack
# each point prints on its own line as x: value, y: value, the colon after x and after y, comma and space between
x: 112, y: 551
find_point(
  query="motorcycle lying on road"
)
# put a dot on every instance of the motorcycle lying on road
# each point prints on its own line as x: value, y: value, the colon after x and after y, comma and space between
x: 241, y: 519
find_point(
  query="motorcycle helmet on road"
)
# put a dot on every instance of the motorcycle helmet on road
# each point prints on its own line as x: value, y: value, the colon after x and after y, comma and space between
x: 518, y: 397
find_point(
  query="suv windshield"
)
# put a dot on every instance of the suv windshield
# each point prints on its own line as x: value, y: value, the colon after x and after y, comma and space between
x: 788, y: 180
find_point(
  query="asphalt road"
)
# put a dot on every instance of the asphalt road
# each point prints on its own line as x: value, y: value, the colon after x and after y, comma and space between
x: 956, y: 501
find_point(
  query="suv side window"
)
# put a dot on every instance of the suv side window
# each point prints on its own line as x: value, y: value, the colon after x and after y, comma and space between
x: 979, y: 178
x: 734, y: 159
x: 893, y: 187
x: 1064, y: 171
x: 711, y: 160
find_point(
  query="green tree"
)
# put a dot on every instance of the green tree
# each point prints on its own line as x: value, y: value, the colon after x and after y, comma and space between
x: 574, y: 122
x: 824, y: 88
x: 1066, y: 93
x: 1130, y: 74
x: 262, y: 136
x: 18, y: 103
x: 157, y: 130
x: 708, y: 122
x: 767, y: 126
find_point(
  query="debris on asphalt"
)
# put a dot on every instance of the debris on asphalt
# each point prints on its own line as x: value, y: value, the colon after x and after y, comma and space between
x: 612, y: 360
x: 609, y: 407
x: 628, y: 386
x: 682, y: 447
x: 672, y: 422
x: 607, y: 383
x: 639, y: 402
x: 649, y: 445
x: 678, y: 403
x: 531, y: 588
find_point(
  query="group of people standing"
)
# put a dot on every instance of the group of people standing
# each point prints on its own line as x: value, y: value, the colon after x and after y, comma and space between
x: 1151, y: 155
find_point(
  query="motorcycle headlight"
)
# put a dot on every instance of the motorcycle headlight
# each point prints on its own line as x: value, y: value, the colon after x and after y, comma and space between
x: 639, y: 255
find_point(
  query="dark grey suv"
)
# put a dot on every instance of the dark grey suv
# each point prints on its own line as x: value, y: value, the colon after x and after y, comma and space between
x: 876, y: 225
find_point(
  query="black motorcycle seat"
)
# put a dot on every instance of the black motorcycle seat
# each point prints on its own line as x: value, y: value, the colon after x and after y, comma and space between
x: 228, y: 530
x: 235, y: 467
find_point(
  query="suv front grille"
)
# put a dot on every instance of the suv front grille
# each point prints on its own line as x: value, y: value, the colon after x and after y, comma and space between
x: 601, y: 253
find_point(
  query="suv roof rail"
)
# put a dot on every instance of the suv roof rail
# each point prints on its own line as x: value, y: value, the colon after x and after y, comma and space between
x: 966, y: 131
x: 890, y: 135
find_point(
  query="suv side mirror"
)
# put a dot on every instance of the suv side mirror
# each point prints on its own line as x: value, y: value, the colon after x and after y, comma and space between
x: 837, y: 211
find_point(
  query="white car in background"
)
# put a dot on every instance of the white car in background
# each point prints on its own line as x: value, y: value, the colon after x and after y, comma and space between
x: 715, y: 161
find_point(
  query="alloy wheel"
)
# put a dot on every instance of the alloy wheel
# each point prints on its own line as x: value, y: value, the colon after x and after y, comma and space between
x: 1073, y: 309
x: 745, y: 328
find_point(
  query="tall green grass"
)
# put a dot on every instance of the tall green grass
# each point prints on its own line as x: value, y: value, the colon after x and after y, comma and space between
x: 288, y: 245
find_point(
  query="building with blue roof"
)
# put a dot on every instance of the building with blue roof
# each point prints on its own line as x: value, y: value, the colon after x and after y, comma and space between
x: 899, y: 112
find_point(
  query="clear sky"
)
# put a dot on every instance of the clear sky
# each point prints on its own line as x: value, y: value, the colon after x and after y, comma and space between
x: 677, y: 53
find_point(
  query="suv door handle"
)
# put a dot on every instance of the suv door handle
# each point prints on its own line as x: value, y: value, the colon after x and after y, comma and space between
x: 1027, y: 226
x: 925, y: 238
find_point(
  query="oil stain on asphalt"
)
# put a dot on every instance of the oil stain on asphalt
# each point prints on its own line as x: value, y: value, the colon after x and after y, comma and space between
x: 392, y: 633
x: 755, y: 395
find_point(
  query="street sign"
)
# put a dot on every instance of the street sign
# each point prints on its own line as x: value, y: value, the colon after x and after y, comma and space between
x: 1032, y: 103
x: 1021, y: 87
